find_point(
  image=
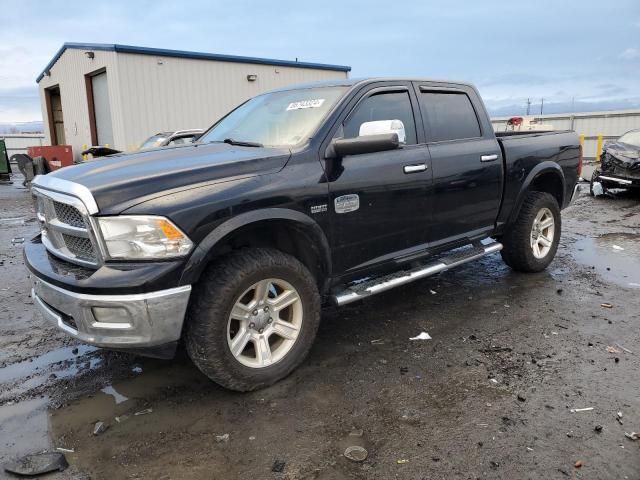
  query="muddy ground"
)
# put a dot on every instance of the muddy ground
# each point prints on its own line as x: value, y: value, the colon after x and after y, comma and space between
x: 490, y: 396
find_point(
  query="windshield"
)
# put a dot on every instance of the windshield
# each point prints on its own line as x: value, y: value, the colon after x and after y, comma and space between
x: 154, y: 141
x: 276, y: 119
x: 632, y: 138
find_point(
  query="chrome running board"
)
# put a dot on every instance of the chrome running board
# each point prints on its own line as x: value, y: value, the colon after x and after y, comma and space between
x: 387, y: 282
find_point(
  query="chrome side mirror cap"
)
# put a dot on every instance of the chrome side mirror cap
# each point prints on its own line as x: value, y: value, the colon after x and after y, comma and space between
x: 381, y: 127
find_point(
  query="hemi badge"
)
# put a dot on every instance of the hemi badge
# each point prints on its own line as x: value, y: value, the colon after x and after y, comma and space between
x: 319, y: 208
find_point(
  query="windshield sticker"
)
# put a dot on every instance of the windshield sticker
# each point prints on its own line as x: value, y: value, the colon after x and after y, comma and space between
x: 306, y: 104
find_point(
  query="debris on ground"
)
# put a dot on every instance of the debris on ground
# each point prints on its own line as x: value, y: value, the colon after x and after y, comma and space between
x: 577, y: 410
x: 606, y: 305
x: 617, y: 247
x: 613, y: 350
x: 65, y: 450
x: 402, y: 461
x: 598, y: 428
x: 522, y: 398
x: 421, y: 336
x: 99, y: 428
x: 377, y: 341
x: 494, y: 349
x: 121, y: 418
x: 37, y: 464
x: 356, y: 453
x: 15, y: 240
x: 624, y: 349
x: 578, y: 464
x: 619, y: 417
x: 222, y: 438
x: 632, y: 436
x: 278, y: 466
x: 432, y: 292
x: 146, y: 411
x: 356, y: 433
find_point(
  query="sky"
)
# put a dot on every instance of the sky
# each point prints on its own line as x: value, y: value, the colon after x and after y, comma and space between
x: 579, y: 55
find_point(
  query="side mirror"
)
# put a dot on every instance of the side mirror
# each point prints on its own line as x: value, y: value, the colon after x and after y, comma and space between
x: 379, y: 127
x: 365, y: 144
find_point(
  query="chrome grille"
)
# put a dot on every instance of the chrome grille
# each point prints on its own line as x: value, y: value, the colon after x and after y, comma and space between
x: 66, y: 229
x: 68, y: 214
x: 80, y: 247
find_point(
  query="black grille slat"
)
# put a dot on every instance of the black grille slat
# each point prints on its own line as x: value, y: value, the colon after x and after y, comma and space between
x: 80, y: 247
x: 69, y: 215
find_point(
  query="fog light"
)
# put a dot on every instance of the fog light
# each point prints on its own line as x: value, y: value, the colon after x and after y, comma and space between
x: 111, y: 317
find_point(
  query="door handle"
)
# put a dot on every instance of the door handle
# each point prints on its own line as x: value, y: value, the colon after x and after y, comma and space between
x: 415, y: 168
x: 489, y: 158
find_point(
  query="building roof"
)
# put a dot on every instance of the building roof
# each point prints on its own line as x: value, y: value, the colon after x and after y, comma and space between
x: 187, y: 54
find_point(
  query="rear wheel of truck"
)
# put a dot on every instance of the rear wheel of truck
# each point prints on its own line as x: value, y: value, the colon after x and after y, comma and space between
x: 532, y: 241
x: 252, y: 319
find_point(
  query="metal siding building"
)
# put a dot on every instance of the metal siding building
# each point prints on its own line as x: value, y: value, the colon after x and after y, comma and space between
x: 609, y: 124
x: 124, y: 94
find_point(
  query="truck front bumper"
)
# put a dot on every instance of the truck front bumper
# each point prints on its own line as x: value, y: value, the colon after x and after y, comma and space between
x: 136, y: 321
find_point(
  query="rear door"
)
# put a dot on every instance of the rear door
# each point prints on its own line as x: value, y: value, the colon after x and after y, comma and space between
x: 466, y: 163
x: 378, y: 201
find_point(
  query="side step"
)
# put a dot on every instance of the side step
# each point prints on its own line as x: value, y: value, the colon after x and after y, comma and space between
x: 382, y: 284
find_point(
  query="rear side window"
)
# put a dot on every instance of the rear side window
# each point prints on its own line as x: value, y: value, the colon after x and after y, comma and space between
x: 450, y: 116
x: 383, y: 106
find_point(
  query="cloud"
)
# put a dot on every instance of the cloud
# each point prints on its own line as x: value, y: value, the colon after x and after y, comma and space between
x: 510, y: 50
x: 630, y: 53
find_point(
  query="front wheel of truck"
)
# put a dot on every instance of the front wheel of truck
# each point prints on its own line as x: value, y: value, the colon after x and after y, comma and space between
x: 252, y: 319
x: 532, y: 241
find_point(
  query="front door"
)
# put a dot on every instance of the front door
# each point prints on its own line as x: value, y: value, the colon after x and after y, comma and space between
x: 466, y: 163
x: 379, y: 200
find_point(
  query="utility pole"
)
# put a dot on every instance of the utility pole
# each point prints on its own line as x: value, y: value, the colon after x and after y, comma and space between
x: 541, y: 105
x: 528, y: 105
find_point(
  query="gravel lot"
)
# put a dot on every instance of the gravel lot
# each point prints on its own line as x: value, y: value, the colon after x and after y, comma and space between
x: 490, y: 396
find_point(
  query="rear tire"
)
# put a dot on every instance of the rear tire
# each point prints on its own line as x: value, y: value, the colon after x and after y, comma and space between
x: 222, y: 318
x: 532, y: 241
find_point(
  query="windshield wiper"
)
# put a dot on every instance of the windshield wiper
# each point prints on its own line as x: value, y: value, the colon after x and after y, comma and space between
x: 241, y: 143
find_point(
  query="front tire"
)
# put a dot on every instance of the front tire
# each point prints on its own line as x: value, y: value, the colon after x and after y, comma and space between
x: 253, y: 318
x: 532, y: 241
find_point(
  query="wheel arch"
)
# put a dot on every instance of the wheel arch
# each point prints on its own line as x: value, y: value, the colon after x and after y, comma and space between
x: 290, y: 231
x: 545, y: 177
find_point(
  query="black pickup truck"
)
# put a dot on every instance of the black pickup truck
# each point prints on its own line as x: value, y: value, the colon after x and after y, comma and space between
x: 328, y: 192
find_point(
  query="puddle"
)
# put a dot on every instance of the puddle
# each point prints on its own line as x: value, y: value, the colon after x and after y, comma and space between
x: 24, y: 428
x: 12, y: 221
x: 34, y: 365
x: 615, y: 256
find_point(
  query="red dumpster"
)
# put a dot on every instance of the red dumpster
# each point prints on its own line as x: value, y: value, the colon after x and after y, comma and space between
x: 57, y: 156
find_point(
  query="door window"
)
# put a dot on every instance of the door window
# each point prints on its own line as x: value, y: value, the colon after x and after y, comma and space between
x: 383, y: 106
x: 450, y: 116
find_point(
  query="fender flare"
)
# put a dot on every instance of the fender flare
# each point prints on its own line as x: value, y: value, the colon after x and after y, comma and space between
x: 204, y: 250
x: 541, y: 168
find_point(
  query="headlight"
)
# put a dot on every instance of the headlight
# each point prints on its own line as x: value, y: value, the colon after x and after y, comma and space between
x: 140, y: 237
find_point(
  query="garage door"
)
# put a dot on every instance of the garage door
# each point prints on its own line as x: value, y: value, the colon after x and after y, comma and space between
x: 104, y: 129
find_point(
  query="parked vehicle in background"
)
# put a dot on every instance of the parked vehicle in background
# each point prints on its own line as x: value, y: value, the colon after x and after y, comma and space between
x: 619, y: 164
x: 168, y: 139
x: 334, y: 191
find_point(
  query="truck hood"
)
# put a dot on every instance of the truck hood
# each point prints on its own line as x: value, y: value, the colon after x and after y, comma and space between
x: 626, y: 155
x: 121, y: 181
